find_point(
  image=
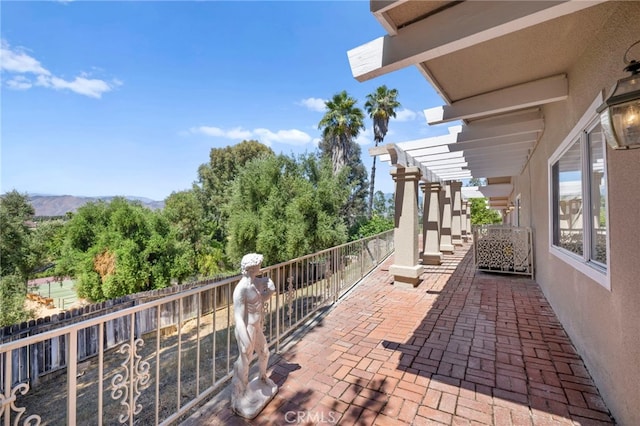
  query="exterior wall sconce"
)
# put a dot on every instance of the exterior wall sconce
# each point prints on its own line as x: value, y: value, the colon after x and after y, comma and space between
x: 620, y: 113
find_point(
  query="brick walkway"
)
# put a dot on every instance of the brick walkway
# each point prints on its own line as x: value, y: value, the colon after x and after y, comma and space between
x: 459, y: 349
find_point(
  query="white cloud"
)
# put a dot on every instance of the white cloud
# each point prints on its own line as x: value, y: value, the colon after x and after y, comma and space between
x: 19, y: 82
x: 237, y: 133
x: 91, y: 87
x: 405, y: 115
x: 16, y: 61
x: 290, y: 137
x: 209, y: 131
x: 365, y: 137
x: 314, y: 104
x: 268, y: 137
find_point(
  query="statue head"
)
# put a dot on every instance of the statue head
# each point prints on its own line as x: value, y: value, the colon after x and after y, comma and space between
x: 249, y: 260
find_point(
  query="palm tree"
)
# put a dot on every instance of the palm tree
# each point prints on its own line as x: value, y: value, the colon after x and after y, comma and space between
x: 381, y: 106
x: 340, y: 125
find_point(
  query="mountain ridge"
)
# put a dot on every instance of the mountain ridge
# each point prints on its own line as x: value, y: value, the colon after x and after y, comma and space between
x: 60, y: 205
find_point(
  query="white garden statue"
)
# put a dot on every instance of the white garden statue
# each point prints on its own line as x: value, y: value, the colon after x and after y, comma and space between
x: 249, y: 398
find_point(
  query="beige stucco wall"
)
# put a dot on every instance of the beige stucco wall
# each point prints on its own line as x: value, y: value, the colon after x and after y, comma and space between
x: 604, y: 325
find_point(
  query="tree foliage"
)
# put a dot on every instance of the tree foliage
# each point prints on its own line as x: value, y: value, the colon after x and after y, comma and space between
x: 15, y: 236
x: 340, y: 125
x: 383, y: 206
x: 354, y: 209
x: 381, y: 106
x: 119, y: 248
x: 12, y: 297
x: 376, y: 225
x: 481, y: 215
x: 200, y: 253
x: 215, y: 179
x: 285, y: 207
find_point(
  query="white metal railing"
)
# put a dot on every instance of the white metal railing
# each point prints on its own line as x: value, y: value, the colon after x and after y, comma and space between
x: 153, y: 362
x: 500, y: 248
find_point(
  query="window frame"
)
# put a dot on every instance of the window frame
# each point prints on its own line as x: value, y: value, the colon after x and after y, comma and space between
x: 583, y: 263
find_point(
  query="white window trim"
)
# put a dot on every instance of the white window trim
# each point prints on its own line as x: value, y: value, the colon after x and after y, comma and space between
x: 589, y: 269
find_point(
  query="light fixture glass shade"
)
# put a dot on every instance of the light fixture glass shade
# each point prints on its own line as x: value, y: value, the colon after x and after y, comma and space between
x: 620, y: 114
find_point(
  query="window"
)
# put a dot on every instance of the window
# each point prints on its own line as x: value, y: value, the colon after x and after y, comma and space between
x: 578, y: 190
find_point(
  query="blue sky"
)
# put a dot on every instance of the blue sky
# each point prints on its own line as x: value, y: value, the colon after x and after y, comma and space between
x: 128, y: 98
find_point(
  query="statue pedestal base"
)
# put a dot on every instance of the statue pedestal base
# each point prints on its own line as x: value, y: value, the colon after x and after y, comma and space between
x: 256, y: 397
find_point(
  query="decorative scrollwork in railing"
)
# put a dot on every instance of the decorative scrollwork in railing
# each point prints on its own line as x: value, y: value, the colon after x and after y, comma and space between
x: 23, y: 388
x: 140, y: 377
x: 290, y: 297
x: 504, y: 249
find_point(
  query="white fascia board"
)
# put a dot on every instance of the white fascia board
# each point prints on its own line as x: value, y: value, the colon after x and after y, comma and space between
x: 434, y: 157
x: 532, y: 93
x: 444, y: 161
x: 432, y: 141
x: 474, y: 155
x: 454, y: 174
x: 456, y: 178
x: 526, y: 139
x: 422, y: 152
x: 477, y: 133
x: 437, y: 167
x: 464, y: 25
x: 496, y: 190
x: 506, y: 119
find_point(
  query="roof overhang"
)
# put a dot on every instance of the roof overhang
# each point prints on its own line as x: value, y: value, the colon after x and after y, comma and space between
x: 494, y: 63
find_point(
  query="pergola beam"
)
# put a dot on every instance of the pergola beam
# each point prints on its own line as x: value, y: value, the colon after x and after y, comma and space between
x: 533, y: 93
x: 527, y: 139
x: 464, y: 25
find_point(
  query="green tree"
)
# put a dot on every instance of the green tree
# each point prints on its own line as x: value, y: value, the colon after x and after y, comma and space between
x: 12, y: 297
x: 215, y: 179
x: 373, y: 226
x: 340, y: 125
x: 481, y: 214
x: 200, y: 252
x: 381, y: 105
x: 15, y: 236
x: 46, y: 243
x: 285, y: 207
x: 382, y: 205
x: 120, y: 248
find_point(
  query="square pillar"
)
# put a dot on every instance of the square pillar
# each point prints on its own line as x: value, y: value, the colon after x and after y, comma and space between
x: 456, y: 222
x: 406, y: 269
x: 446, y: 246
x: 431, y: 254
x: 464, y: 232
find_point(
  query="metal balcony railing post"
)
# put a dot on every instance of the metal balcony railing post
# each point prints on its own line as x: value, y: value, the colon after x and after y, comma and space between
x: 278, y: 313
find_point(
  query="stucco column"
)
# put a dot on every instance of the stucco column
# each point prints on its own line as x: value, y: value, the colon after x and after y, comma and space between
x: 431, y: 254
x: 463, y: 222
x: 446, y: 246
x: 406, y: 269
x: 469, y: 230
x: 456, y: 223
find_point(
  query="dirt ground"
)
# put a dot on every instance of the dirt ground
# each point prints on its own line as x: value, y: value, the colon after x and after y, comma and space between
x: 40, y: 311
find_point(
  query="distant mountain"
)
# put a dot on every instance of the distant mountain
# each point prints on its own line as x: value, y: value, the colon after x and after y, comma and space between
x: 59, y: 205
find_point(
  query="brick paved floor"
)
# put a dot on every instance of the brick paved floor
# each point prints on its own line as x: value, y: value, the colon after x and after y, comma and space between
x: 462, y: 348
